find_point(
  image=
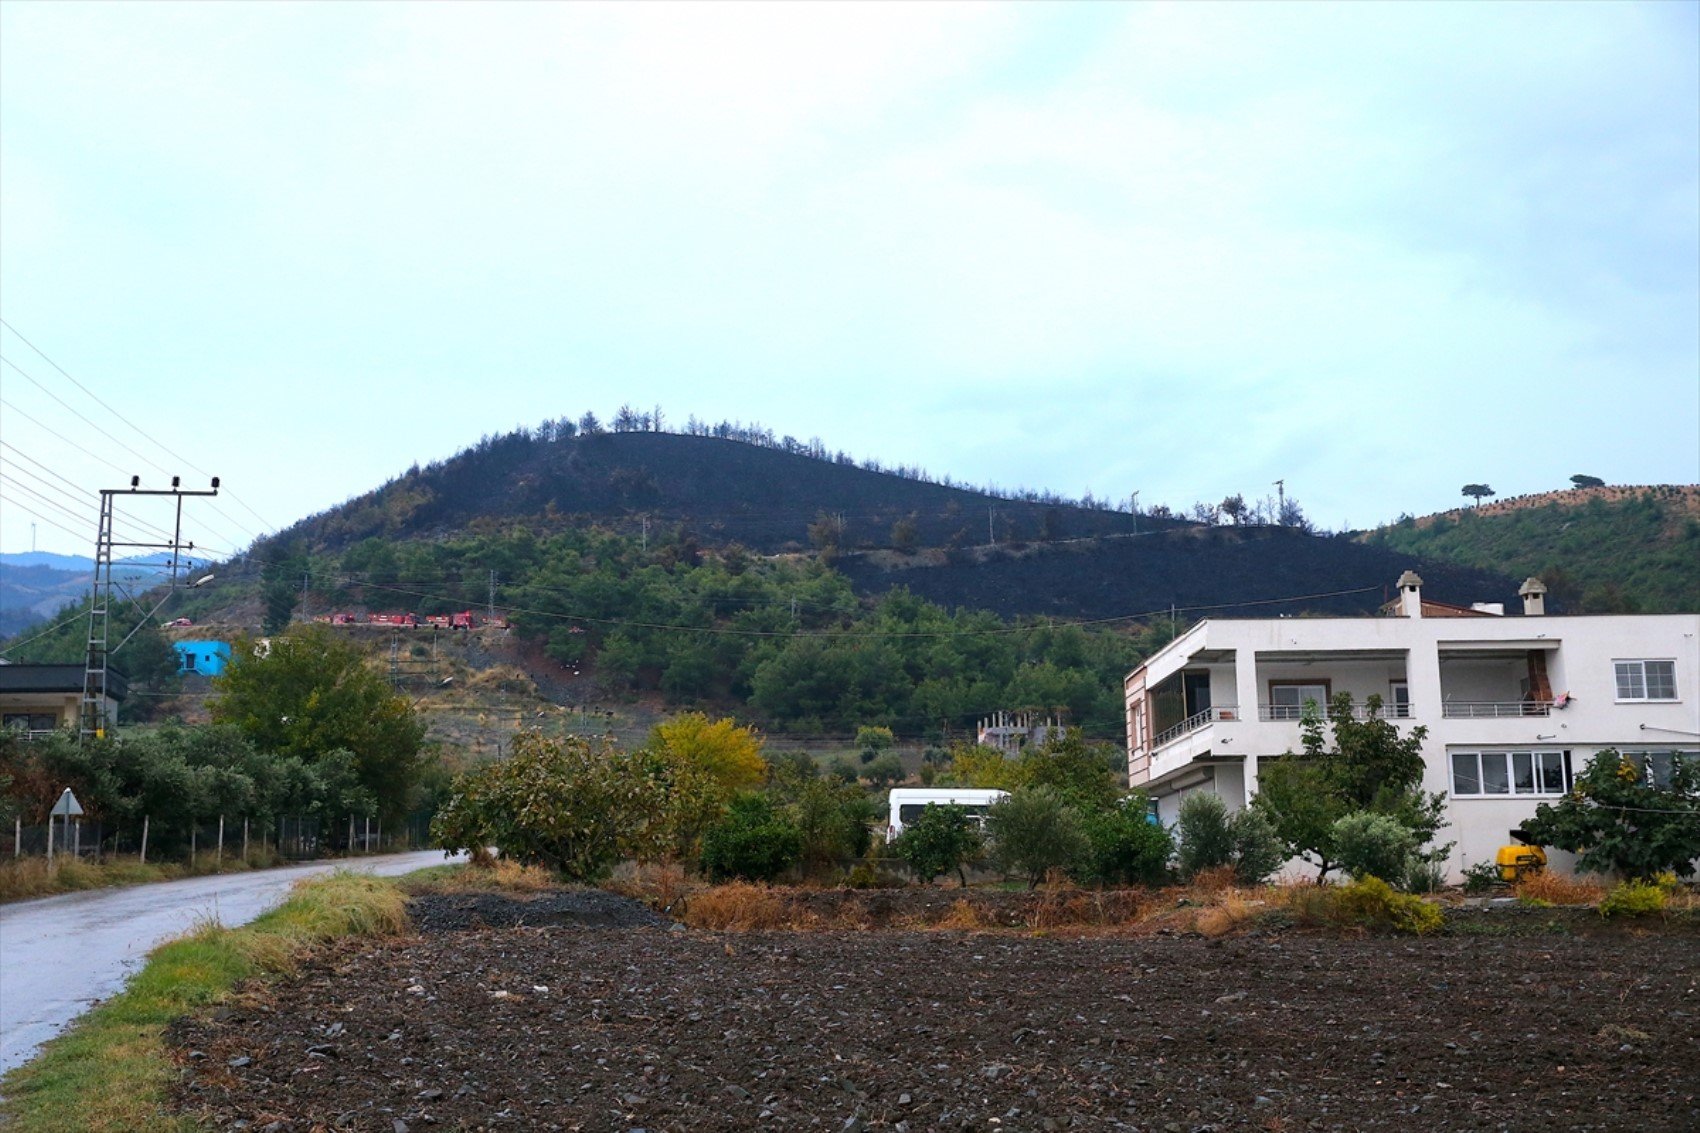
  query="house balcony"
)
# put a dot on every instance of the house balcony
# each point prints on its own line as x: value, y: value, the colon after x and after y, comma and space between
x: 1494, y: 709
x: 1193, y: 723
x: 1292, y: 714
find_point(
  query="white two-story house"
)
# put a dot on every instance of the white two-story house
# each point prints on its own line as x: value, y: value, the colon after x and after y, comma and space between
x: 1514, y: 705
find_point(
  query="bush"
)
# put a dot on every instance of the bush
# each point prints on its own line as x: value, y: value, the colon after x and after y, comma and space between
x: 940, y: 839
x: 753, y: 842
x: 1633, y: 899
x: 1423, y: 875
x: 885, y: 768
x: 1481, y: 878
x: 1125, y: 848
x: 1206, y: 841
x: 1373, y: 845
x: 1258, y: 850
x: 570, y: 805
x: 832, y: 819
x: 1371, y: 902
x: 1033, y: 832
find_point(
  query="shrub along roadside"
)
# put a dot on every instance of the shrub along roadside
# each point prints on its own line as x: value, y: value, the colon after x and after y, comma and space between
x: 111, y: 1070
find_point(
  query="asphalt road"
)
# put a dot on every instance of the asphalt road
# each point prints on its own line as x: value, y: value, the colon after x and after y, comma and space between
x: 59, y: 955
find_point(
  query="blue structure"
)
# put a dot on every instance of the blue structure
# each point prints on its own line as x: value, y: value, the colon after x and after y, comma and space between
x: 208, y: 658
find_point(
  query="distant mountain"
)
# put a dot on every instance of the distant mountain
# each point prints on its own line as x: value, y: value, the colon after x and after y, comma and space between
x: 47, y: 559
x: 35, y: 584
x: 1599, y: 550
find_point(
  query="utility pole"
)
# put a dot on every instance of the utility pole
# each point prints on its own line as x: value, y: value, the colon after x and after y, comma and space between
x: 92, y: 715
x: 1281, y: 511
x: 305, y: 575
x: 1136, y: 513
x: 645, y: 520
x: 991, y: 531
x: 491, y: 611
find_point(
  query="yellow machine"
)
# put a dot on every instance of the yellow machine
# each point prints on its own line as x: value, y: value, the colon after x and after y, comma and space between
x: 1517, y: 862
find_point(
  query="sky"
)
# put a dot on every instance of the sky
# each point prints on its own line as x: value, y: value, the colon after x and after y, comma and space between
x: 1375, y: 251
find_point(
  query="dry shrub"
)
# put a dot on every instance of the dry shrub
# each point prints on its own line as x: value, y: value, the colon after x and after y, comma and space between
x: 1215, y: 879
x: 1554, y: 889
x: 502, y: 678
x: 1087, y: 908
x: 737, y: 907
x: 962, y: 916
x: 1231, y: 913
x: 659, y: 885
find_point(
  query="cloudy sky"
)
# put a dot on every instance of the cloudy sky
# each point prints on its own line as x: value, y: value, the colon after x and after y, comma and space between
x: 1375, y: 250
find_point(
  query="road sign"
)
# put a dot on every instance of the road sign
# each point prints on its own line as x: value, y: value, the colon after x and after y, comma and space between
x: 67, y: 806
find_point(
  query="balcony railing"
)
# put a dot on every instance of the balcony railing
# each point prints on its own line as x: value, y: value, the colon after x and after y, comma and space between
x: 1494, y: 709
x: 1196, y: 721
x: 1277, y: 712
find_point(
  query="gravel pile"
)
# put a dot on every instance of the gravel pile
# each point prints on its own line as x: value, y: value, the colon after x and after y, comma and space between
x: 645, y: 1029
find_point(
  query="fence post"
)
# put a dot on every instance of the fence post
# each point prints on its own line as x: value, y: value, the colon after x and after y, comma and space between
x: 194, y: 842
x: 77, y: 839
x: 366, y: 842
x: 380, y: 832
x: 351, y: 834
x: 218, y: 858
x: 17, y: 836
x: 144, y: 839
x: 244, y: 841
x: 50, y: 841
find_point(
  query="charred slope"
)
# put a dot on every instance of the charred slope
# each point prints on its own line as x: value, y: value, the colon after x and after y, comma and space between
x: 1238, y: 572
x: 721, y: 490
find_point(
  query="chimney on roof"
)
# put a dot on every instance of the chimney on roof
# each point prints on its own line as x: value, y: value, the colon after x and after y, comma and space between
x: 1410, y: 595
x: 1534, y: 595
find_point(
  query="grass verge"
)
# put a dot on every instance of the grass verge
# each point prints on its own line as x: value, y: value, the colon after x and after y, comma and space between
x: 23, y: 878
x: 111, y: 1071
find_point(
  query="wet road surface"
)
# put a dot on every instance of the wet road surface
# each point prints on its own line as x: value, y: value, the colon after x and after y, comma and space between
x: 59, y: 955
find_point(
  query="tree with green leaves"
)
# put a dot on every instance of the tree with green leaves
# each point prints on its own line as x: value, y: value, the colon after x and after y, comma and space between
x: 1124, y: 846
x: 754, y: 841
x: 940, y: 839
x: 1369, y: 766
x: 1034, y: 831
x: 311, y: 693
x: 1478, y: 492
x: 573, y: 805
x: 1583, y: 481
x: 1639, y: 818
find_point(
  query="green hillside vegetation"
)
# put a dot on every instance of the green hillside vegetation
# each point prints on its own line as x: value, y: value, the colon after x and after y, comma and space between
x: 1599, y: 550
x: 782, y: 641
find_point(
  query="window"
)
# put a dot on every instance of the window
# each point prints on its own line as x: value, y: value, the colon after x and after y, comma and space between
x: 1645, y: 680
x: 1400, y: 702
x: 188, y: 662
x: 1510, y: 772
x: 31, y: 721
x: 1658, y: 764
x: 1287, y: 698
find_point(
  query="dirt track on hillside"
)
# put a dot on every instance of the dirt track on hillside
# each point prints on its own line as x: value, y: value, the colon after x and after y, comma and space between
x: 626, y: 1028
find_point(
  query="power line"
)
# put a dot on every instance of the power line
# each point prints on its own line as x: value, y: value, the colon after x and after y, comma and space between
x: 137, y: 428
x: 51, y: 432
x: 51, y: 523
x: 83, y: 419
x: 76, y: 617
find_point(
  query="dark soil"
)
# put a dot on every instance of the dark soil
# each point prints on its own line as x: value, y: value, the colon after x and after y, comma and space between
x: 661, y: 1029
x: 583, y: 908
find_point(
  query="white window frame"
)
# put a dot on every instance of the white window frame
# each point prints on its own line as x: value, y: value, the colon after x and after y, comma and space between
x: 1637, y: 667
x: 1535, y: 760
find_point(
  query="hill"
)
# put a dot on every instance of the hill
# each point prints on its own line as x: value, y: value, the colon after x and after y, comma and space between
x: 766, y: 499
x: 1599, y: 550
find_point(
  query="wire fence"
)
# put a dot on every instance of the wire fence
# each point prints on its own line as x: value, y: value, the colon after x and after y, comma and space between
x: 220, y: 839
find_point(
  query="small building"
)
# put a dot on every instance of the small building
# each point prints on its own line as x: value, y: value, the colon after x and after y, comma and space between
x: 208, y: 658
x: 45, y: 698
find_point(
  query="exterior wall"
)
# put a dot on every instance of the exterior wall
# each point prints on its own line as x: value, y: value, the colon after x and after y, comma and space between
x: 62, y: 706
x: 210, y: 657
x: 1446, y: 663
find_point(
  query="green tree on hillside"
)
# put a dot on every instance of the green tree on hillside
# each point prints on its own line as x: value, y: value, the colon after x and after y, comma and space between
x: 1583, y: 481
x: 1478, y: 492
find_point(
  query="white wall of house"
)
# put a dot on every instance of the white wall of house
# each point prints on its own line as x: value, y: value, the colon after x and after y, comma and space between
x: 1469, y: 682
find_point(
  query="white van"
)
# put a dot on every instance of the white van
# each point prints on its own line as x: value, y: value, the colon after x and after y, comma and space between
x: 907, y: 803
